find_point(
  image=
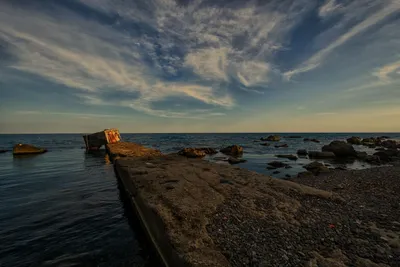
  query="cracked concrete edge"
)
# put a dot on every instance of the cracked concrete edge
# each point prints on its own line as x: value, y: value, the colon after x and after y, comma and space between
x: 150, y: 222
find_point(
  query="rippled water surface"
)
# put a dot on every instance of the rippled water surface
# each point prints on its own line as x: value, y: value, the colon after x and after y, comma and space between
x: 64, y: 207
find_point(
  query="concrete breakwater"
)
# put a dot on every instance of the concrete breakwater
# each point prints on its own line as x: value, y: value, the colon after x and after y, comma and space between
x: 198, y: 213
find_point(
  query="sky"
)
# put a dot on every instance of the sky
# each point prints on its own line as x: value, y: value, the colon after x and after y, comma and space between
x: 80, y: 66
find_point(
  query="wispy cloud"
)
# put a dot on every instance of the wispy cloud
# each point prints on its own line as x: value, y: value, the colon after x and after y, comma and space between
x: 388, y: 72
x: 317, y: 59
x: 328, y: 8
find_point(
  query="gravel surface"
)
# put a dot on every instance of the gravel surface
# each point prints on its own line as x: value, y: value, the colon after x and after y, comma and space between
x: 361, y: 230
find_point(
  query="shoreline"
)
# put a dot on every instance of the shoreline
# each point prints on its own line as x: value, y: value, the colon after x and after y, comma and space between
x: 211, y: 214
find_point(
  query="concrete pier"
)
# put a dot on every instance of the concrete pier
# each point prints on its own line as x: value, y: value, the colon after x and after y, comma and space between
x: 198, y: 213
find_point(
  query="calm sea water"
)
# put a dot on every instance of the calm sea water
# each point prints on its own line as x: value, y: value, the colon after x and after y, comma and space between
x: 65, y: 208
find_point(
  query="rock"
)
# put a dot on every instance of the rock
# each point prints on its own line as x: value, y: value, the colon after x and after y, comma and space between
x: 362, y: 155
x: 380, y: 149
x: 311, y: 140
x: 283, y: 145
x: 387, y: 155
x: 354, y: 140
x: 304, y: 174
x: 264, y: 144
x: 288, y: 167
x: 233, y: 160
x: 384, y: 137
x: 271, y: 168
x: 340, y: 149
x: 4, y: 151
x: 316, y: 168
x: 276, y: 172
x: 389, y: 144
x: 372, y: 146
x: 373, y: 159
x: 294, y: 136
x: 232, y: 150
x: 208, y: 150
x: 321, y: 155
x: 291, y: 157
x: 302, y: 152
x: 343, y: 168
x: 192, y: 153
x: 287, y: 175
x: 277, y: 164
x: 271, y: 138
x: 25, y: 149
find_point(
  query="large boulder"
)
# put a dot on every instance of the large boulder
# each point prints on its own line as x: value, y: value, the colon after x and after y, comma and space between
x: 362, y: 155
x: 340, y: 149
x: 271, y: 138
x: 232, y: 150
x: 316, y: 168
x: 25, y: 149
x: 354, y: 140
x: 321, y: 155
x: 387, y: 155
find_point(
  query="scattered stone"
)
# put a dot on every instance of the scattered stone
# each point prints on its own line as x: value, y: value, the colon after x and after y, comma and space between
x: 291, y: 157
x: 321, y: 155
x: 380, y: 149
x: 294, y: 136
x: 340, y: 149
x: 232, y: 150
x: 264, y: 144
x: 287, y: 176
x: 354, y: 140
x: 25, y: 149
x: 276, y: 172
x: 283, y: 145
x: 302, y: 152
x: 277, y: 164
x: 233, y: 160
x: 271, y: 138
x: 316, y: 167
x: 4, y: 151
x: 271, y: 168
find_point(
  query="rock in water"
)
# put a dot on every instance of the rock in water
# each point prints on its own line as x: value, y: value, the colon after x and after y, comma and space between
x: 340, y: 149
x: 302, y: 152
x: 264, y: 144
x: 277, y: 164
x: 294, y: 136
x: 321, y: 155
x: 233, y: 160
x: 389, y: 144
x: 354, y: 140
x: 25, y: 149
x: 192, y: 153
x: 362, y: 155
x: 271, y: 138
x: 291, y: 157
x: 3, y: 151
x: 232, y: 150
x: 283, y: 145
x: 311, y: 140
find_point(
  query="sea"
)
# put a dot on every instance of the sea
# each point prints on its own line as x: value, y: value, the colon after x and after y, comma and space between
x: 66, y: 207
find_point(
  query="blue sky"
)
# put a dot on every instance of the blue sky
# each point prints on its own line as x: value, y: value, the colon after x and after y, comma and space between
x: 199, y: 66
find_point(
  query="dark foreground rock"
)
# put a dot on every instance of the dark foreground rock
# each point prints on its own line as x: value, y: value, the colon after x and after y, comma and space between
x: 302, y: 152
x: 340, y: 149
x: 25, y: 149
x: 233, y: 150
